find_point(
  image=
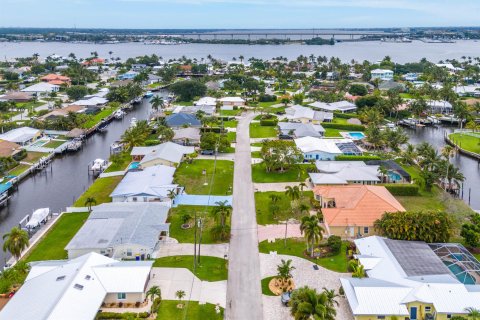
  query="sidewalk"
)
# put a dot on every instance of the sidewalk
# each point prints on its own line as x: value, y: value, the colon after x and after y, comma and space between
x: 278, y: 187
x: 186, y: 249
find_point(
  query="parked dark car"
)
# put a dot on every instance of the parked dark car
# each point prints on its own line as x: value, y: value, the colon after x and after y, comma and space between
x: 286, y: 298
x: 207, y: 152
x: 284, y: 137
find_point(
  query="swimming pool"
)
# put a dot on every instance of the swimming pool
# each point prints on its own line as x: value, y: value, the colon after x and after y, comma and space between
x: 462, y: 276
x: 394, y: 176
x: 356, y: 135
x: 38, y: 143
x: 134, y: 166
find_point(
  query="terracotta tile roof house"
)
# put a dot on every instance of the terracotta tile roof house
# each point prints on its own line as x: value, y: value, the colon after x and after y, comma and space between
x: 9, y: 149
x: 16, y: 96
x: 350, y: 211
x: 56, y: 79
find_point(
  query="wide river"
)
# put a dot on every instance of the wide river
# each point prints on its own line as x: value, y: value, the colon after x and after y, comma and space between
x: 372, y: 50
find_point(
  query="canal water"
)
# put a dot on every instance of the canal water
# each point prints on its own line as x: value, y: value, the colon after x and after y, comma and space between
x: 469, y: 167
x: 60, y: 185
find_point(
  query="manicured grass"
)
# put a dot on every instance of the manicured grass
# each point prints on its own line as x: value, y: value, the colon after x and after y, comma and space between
x: 332, y: 133
x: 191, y: 177
x: 191, y: 310
x: 230, y: 124
x: 33, y: 157
x: 54, y: 144
x: 123, y: 160
x: 265, y: 288
x: 466, y: 142
x: 100, y: 190
x: 184, y: 103
x: 256, y: 144
x: 267, y: 104
x: 21, y: 168
x: 51, y: 246
x: 175, y: 218
x: 256, y: 154
x: 262, y: 206
x: 210, y: 268
x: 340, y: 120
x: 258, y: 131
x: 296, y: 247
x: 97, y: 118
x: 231, y: 136
x: 260, y: 175
x: 231, y: 113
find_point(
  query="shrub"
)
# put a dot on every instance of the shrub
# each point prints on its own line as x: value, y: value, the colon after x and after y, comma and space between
x: 267, y: 98
x: 268, y: 122
x: 358, y: 90
x: 343, y: 126
x: 356, y: 158
x: 150, y: 143
x: 403, y: 189
x: 344, y: 115
x: 335, y: 244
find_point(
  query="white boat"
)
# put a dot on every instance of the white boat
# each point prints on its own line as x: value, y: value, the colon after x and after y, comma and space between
x: 133, y: 122
x: 148, y: 94
x: 38, y: 216
x: 99, y: 165
x: 119, y: 114
x: 74, y: 145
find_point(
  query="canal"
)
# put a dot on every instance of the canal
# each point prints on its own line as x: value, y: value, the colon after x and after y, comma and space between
x: 60, y: 185
x: 469, y: 167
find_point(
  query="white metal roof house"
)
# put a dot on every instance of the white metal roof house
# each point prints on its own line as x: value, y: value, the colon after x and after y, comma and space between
x: 206, y: 101
x: 91, y: 102
x: 382, y: 74
x: 339, y: 106
x: 412, y: 279
x: 440, y: 106
x: 325, y: 149
x: 22, y: 136
x: 75, y: 289
x: 344, y: 172
x: 42, y: 88
x: 167, y: 153
x: 229, y: 102
x: 121, y: 230
x: 150, y: 184
x: 303, y: 114
x: 207, y: 109
x: 299, y: 130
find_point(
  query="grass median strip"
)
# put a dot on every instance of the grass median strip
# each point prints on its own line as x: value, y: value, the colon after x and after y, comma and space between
x: 209, y: 269
x: 192, y: 310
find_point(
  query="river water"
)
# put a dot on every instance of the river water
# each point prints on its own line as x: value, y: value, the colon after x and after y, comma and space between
x: 372, y: 50
x: 59, y: 186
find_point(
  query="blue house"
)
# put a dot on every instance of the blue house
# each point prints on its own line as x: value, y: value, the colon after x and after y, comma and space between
x: 179, y: 120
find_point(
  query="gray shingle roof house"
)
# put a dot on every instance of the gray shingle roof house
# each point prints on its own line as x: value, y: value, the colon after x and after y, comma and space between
x: 299, y: 130
x: 122, y: 230
x: 178, y: 120
x: 167, y: 153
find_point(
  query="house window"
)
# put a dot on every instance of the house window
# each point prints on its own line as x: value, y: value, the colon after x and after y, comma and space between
x: 380, y: 317
x: 365, y: 230
x: 449, y: 316
x: 129, y: 252
x: 121, y: 296
x: 428, y: 309
x: 134, y: 199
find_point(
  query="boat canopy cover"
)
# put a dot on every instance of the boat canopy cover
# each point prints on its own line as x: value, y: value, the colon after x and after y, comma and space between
x: 38, y: 216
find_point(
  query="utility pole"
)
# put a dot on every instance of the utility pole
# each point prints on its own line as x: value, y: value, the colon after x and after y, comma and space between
x: 195, y: 244
x: 200, y: 225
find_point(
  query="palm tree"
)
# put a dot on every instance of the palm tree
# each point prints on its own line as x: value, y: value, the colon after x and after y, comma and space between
x: 15, y: 242
x: 292, y: 192
x: 222, y: 211
x: 302, y: 185
x: 130, y: 138
x: 312, y: 231
x: 331, y: 295
x: 284, y: 269
x: 157, y: 103
x: 154, y: 292
x: 274, y: 208
x: 358, y: 271
x: 89, y: 202
x: 307, y: 303
x: 180, y: 294
x: 473, y: 313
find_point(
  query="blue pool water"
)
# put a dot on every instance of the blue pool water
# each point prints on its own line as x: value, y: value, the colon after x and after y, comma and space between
x: 134, y: 165
x: 461, y: 275
x: 356, y: 135
x: 394, y: 176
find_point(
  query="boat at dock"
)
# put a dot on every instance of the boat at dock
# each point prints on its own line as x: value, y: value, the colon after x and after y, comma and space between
x: 119, y: 114
x: 148, y: 94
x: 98, y: 166
x: 102, y: 127
x: 39, y: 217
x: 74, y: 145
x: 133, y: 122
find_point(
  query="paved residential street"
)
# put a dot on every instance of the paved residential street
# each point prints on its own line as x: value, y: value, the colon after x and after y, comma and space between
x: 244, y: 298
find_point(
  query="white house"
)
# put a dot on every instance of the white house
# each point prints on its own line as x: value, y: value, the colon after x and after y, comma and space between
x: 22, y: 136
x: 150, y: 184
x: 229, y: 102
x: 298, y: 129
x: 41, y: 88
x: 339, y: 106
x: 75, y: 289
x: 121, y: 230
x: 325, y: 149
x: 298, y: 113
x: 382, y: 74
x: 440, y: 106
x: 167, y: 153
x: 344, y: 172
x: 206, y: 101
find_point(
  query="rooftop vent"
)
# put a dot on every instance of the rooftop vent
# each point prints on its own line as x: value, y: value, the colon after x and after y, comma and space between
x: 78, y: 286
x: 88, y: 277
x: 60, y: 278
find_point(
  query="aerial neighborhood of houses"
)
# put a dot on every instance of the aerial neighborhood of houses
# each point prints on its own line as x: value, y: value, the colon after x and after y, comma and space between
x: 190, y: 160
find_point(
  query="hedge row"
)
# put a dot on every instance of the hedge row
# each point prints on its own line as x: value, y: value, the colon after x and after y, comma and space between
x: 119, y: 316
x: 268, y: 122
x: 344, y: 115
x: 343, y: 126
x: 403, y: 189
x: 356, y: 158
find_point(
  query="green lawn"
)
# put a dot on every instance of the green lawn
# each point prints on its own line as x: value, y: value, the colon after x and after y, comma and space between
x: 267, y: 104
x: 54, y: 144
x: 265, y: 289
x: 262, y: 206
x: 332, y: 133
x: 232, y: 136
x: 210, y: 268
x: 230, y: 124
x: 184, y: 103
x: 230, y: 113
x: 296, y: 247
x: 98, y: 117
x: 256, y: 154
x: 256, y: 144
x: 33, y: 157
x: 51, y: 246
x: 21, y: 168
x: 175, y: 216
x: 466, y: 142
x: 258, y: 131
x: 100, y: 190
x: 190, y: 311
x: 190, y: 175
x: 122, y: 161
x: 260, y: 175
x: 340, y: 120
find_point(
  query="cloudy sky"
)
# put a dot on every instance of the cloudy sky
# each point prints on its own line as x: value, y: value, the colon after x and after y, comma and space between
x: 238, y: 13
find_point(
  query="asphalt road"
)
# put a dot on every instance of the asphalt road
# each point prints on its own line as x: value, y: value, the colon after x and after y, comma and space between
x: 244, y: 296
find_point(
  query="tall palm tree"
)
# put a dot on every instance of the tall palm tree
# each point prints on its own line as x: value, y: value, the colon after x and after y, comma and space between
x: 284, y: 269
x: 302, y: 185
x: 307, y: 303
x: 157, y: 103
x: 221, y: 211
x: 473, y: 313
x: 274, y: 208
x: 292, y: 192
x: 89, y: 202
x: 312, y: 231
x: 154, y: 292
x: 15, y: 242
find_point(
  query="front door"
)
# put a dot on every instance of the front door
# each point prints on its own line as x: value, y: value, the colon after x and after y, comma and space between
x: 413, y: 313
x: 352, y: 232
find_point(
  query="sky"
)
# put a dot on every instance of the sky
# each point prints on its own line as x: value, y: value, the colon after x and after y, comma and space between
x: 238, y: 14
